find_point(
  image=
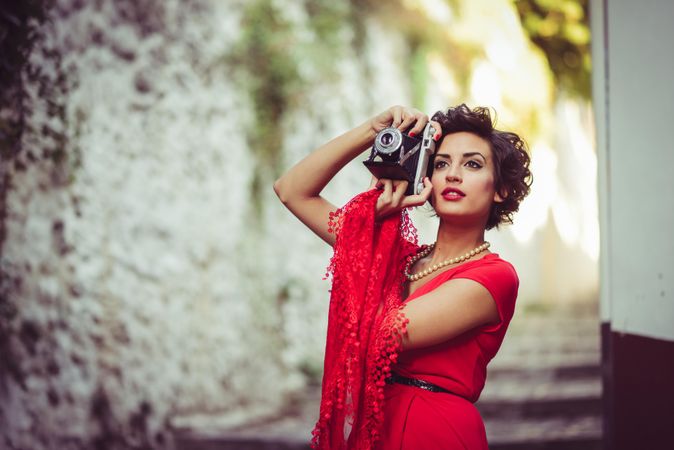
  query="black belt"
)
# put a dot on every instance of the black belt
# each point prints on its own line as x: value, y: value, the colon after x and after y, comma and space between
x: 395, y: 378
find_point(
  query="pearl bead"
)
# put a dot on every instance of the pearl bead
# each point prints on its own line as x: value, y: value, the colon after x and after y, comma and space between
x: 427, y: 250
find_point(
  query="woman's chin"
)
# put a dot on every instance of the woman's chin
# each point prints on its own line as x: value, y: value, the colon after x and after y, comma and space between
x: 465, y: 218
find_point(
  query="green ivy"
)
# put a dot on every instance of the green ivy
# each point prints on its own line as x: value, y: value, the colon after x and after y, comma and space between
x: 326, y: 19
x: 20, y: 24
x: 265, y: 66
x: 561, y: 30
x: 267, y: 58
x: 266, y: 61
x: 16, y: 41
x: 419, y: 74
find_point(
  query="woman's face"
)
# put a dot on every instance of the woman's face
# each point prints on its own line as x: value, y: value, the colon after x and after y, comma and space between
x: 463, y: 179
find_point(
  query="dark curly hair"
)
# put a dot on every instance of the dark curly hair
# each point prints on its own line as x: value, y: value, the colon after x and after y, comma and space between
x: 512, y: 178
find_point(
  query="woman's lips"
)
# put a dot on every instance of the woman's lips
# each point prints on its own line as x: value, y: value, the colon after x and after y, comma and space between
x: 452, y: 194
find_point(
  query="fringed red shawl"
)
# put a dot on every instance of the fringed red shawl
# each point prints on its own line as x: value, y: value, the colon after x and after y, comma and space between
x: 365, y: 322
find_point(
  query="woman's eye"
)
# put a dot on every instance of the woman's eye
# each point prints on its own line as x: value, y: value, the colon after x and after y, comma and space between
x: 474, y: 164
x: 439, y: 164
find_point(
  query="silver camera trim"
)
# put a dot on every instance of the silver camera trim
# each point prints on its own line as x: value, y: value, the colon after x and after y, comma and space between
x: 388, y: 149
x: 427, y: 147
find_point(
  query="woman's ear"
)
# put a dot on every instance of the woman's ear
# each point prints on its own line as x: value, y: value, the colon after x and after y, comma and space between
x: 500, y: 198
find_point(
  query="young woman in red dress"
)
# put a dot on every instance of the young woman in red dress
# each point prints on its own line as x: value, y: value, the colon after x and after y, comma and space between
x: 456, y: 298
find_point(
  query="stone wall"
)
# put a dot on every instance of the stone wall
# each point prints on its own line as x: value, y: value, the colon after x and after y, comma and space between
x: 141, y: 278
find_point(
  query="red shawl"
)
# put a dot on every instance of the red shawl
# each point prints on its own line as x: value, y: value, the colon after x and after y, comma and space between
x: 365, y: 321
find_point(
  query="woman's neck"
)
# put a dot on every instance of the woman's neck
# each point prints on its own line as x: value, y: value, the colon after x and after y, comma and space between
x: 454, y: 240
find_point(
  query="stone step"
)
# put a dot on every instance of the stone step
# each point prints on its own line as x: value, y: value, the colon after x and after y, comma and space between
x: 543, y: 392
x: 543, y: 361
x: 232, y: 441
x: 583, y: 432
x: 545, y: 408
x: 559, y: 346
x: 562, y: 391
x: 562, y: 444
x: 551, y: 408
x: 578, y: 367
x: 538, y: 384
x: 579, y: 433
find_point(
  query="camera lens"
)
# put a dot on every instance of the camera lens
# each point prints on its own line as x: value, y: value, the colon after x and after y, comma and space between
x: 386, y: 139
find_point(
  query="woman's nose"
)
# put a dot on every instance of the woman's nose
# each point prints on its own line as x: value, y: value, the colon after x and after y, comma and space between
x: 453, y: 174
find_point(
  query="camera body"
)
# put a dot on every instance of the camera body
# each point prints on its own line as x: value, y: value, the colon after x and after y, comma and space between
x: 397, y: 156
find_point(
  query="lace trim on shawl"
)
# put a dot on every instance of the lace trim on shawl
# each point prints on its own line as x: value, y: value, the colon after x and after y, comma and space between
x: 365, y: 322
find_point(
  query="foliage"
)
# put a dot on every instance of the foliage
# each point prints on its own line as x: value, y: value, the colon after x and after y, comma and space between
x: 262, y: 62
x: 267, y: 60
x: 16, y: 41
x: 424, y: 36
x: 21, y: 25
x: 560, y: 28
x: 17, y: 37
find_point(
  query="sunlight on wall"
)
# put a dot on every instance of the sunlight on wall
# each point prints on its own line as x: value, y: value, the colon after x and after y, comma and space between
x: 576, y: 211
x: 533, y: 212
x: 436, y: 10
x: 509, y: 74
x: 565, y: 187
x: 485, y: 86
x: 444, y: 84
x: 504, y: 52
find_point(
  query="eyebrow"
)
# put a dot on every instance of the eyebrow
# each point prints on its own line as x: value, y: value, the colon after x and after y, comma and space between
x: 444, y: 155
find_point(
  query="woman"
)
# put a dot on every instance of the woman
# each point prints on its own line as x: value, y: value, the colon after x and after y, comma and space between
x: 455, y: 298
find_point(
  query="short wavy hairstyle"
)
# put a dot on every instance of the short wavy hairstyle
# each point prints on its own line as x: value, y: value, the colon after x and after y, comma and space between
x: 512, y: 177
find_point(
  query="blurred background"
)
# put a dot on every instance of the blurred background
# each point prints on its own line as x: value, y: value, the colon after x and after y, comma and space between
x: 154, y: 292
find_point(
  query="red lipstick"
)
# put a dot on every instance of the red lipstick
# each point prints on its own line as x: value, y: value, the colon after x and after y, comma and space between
x: 452, y: 194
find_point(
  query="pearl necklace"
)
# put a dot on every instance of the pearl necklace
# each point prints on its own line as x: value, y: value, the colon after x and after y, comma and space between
x: 430, y: 270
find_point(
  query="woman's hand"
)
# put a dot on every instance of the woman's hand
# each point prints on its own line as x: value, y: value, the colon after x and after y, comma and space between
x: 403, y: 118
x: 393, y: 198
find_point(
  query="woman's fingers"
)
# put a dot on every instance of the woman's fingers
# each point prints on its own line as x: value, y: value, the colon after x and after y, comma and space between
x: 394, y: 192
x: 373, y: 182
x: 397, y: 112
x: 399, y: 192
x: 420, y: 198
x: 421, y: 121
x: 387, y: 195
x: 438, y: 130
x: 394, y: 199
x: 408, y: 120
x: 401, y: 118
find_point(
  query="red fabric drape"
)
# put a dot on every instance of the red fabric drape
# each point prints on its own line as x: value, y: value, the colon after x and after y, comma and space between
x: 365, y: 321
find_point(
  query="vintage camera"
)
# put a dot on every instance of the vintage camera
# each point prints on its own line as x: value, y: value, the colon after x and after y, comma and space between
x: 397, y: 156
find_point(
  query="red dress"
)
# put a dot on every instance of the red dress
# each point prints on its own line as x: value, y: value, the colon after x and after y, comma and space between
x: 418, y: 419
x: 359, y: 411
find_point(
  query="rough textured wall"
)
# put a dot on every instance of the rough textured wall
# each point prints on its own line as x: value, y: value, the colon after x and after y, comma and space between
x: 141, y: 278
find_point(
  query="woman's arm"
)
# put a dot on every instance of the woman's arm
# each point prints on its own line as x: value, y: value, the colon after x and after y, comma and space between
x: 447, y: 311
x: 299, y: 188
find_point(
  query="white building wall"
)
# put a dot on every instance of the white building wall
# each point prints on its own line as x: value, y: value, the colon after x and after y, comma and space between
x: 634, y: 101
